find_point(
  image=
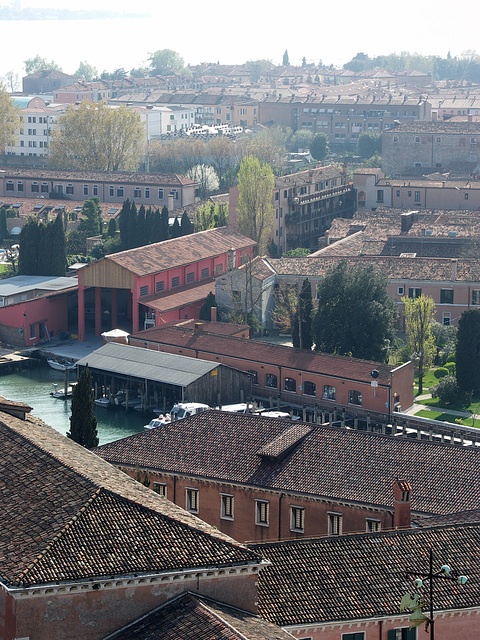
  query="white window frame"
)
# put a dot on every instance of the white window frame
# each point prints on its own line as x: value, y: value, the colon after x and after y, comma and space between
x: 335, y: 523
x: 160, y: 488
x: 372, y: 525
x: 191, y: 499
x: 226, y: 506
x: 294, y: 510
x: 258, y: 513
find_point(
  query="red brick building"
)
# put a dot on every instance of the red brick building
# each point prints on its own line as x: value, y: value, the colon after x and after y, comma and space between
x: 157, y: 283
x: 85, y: 550
x: 258, y: 478
x: 283, y: 374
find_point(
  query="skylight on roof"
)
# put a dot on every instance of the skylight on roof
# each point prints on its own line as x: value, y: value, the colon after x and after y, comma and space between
x: 113, y: 210
x: 38, y: 207
x: 17, y: 205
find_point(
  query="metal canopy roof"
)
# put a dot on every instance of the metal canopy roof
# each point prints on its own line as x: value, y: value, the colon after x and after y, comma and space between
x: 146, y: 364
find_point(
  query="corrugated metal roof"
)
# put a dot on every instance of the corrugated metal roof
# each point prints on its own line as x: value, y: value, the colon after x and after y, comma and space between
x: 146, y: 364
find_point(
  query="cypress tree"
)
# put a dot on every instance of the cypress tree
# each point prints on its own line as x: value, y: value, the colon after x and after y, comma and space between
x: 123, y: 222
x: 186, y: 225
x: 176, y: 230
x: 59, y: 257
x: 132, y: 227
x: 83, y: 423
x: 112, y: 228
x: 164, y: 227
x: 302, y: 327
x: 141, y: 237
x: 3, y: 224
x: 28, y: 248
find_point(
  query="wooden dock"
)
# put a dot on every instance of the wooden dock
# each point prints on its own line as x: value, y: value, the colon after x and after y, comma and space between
x: 12, y: 362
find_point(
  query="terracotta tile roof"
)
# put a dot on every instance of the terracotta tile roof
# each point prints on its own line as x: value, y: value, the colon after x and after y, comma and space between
x: 438, y: 127
x: 67, y: 515
x: 341, y: 366
x: 462, y: 517
x: 336, y: 463
x: 364, y: 576
x: 113, y: 177
x: 307, y: 177
x: 191, y: 617
x: 180, y: 297
x: 180, y: 251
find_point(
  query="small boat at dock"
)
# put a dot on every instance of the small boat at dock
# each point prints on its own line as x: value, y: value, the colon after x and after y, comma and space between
x: 60, y: 393
x: 60, y: 364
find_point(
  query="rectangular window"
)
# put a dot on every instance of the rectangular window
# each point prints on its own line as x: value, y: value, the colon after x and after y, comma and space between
x: 137, y: 193
x: 380, y: 195
x: 147, y: 192
x: 160, y: 488
x: 262, y: 512
x: 355, y: 397
x: 447, y: 319
x: 120, y: 192
x: 446, y: 296
x: 476, y: 296
x: 35, y: 187
x: 414, y: 292
x: 174, y: 193
x: 190, y: 276
x: 144, y: 290
x: 290, y: 384
x: 329, y: 393
x: 205, y: 272
x: 372, y: 525
x: 32, y: 331
x: 176, y: 281
x: 44, y: 187
x: 226, y: 506
x: 398, y: 193
x: 69, y: 189
x: 297, y: 519
x: 85, y: 189
x: 417, y: 196
x: 10, y: 186
x: 160, y: 194
x: 402, y: 634
x: 111, y: 191
x: 191, y: 500
x: 473, y: 141
x: 254, y: 375
x: 160, y: 286
x: 417, y: 139
x: 309, y: 388
x: 270, y: 380
x: 360, y: 635
x: 95, y: 189
x: 19, y: 186
x: 334, y: 524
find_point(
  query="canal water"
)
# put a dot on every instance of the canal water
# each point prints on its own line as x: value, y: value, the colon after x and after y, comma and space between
x: 34, y: 386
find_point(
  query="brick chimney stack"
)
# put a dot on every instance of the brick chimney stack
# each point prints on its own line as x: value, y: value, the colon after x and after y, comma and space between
x: 402, y: 492
x: 198, y: 327
x: 213, y: 314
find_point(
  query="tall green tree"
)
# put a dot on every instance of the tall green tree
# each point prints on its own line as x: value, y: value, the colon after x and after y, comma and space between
x: 91, y: 217
x: 86, y: 71
x: 37, y: 63
x: 175, y: 231
x: 467, y: 356
x: 419, y: 313
x: 3, y: 224
x: 302, y: 327
x: 83, y: 423
x: 9, y: 120
x: 164, y: 224
x: 319, y: 146
x: 186, y: 225
x: 354, y: 316
x: 255, y: 201
x: 59, y: 252
x: 285, y: 60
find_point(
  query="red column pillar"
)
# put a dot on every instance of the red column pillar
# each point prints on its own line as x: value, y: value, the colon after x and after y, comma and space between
x: 98, y: 311
x: 81, y: 313
x: 114, y: 308
x: 135, y: 314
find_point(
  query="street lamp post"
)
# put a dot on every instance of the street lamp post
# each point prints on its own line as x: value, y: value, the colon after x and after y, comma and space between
x: 445, y: 573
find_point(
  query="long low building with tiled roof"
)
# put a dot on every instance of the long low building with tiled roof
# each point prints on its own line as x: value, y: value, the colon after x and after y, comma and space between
x: 260, y: 478
x: 85, y: 550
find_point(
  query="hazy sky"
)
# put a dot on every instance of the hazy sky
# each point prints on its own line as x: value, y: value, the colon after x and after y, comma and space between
x: 236, y: 32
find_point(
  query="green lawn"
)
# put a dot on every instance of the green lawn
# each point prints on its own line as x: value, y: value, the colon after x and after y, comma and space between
x: 429, y: 380
x: 438, y: 415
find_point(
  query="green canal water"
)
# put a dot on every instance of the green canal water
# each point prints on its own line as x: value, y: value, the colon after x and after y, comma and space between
x: 34, y: 386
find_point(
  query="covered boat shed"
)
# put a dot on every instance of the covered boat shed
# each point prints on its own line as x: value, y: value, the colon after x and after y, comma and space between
x: 161, y: 379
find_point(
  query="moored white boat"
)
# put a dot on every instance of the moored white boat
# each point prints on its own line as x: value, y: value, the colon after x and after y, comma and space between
x: 102, y: 402
x: 61, y: 365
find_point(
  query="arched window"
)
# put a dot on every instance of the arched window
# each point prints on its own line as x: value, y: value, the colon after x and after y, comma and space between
x: 290, y: 384
x: 309, y: 388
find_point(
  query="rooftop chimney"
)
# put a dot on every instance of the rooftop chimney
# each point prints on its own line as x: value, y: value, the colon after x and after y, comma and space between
x: 198, y: 328
x: 401, y: 492
x: 213, y: 314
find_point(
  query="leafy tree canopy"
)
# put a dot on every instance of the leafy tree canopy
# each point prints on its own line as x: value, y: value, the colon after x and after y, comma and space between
x: 255, y: 201
x: 86, y: 71
x: 165, y: 62
x: 9, y: 120
x: 94, y: 137
x: 354, y: 315
x: 37, y: 63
